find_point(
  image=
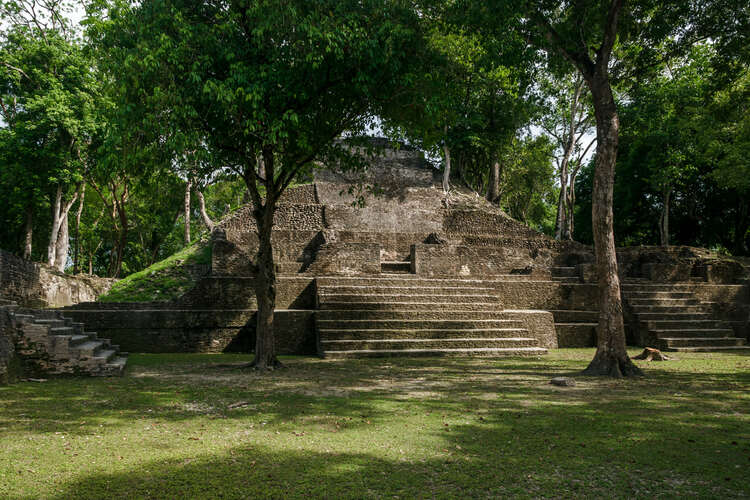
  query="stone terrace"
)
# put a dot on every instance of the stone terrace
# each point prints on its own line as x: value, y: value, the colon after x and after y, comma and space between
x: 417, y: 272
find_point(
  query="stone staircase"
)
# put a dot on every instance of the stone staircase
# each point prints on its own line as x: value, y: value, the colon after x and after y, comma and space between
x: 670, y: 318
x: 51, y: 344
x: 409, y: 316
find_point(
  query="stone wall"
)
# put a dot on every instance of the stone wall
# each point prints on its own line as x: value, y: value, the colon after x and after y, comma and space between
x: 139, y: 329
x: 462, y: 260
x: 31, y: 284
x: 10, y: 368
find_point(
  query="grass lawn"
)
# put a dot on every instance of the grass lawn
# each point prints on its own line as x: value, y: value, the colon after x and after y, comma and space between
x: 182, y: 426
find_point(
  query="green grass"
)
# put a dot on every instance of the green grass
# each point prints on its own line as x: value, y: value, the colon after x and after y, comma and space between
x: 186, y: 426
x: 165, y: 280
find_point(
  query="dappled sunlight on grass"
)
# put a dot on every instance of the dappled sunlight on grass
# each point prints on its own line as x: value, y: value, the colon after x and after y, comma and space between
x: 201, y: 425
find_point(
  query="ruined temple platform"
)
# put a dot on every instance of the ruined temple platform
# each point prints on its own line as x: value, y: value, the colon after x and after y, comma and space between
x: 416, y: 271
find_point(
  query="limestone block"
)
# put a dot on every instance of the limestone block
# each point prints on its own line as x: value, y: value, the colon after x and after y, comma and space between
x: 667, y: 272
x: 347, y: 258
x: 9, y: 365
x: 721, y: 272
x: 539, y: 325
x: 587, y: 273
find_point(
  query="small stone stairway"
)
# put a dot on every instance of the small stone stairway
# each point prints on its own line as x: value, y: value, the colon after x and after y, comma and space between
x: 51, y: 344
x: 408, y: 316
x: 670, y: 318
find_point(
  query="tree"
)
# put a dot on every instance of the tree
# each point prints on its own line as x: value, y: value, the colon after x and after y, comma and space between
x: 585, y: 35
x: 47, y: 95
x: 469, y: 95
x: 269, y: 86
x: 569, y: 121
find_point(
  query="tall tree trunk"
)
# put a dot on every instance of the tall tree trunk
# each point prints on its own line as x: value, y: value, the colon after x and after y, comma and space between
x: 56, y: 207
x: 560, y: 218
x: 76, y: 253
x: 188, y: 187
x: 664, y: 219
x: 611, y: 358
x: 28, y: 231
x: 571, y: 202
x: 122, y: 241
x: 204, y: 214
x: 63, y: 244
x: 60, y: 211
x: 493, y: 188
x: 447, y: 170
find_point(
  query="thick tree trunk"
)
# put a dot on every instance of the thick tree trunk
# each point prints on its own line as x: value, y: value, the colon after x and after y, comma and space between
x: 265, y: 292
x: 63, y: 244
x: 204, y: 214
x: 265, y: 281
x: 28, y: 232
x: 664, y: 219
x: 447, y: 170
x: 188, y: 187
x: 611, y: 358
x: 493, y: 189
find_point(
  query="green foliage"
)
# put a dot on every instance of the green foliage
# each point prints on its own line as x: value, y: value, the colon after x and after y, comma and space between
x: 164, y: 280
x: 527, y: 178
x: 679, y: 133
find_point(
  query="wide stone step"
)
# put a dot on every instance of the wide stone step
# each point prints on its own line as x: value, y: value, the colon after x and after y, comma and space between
x: 478, y: 352
x: 104, y: 356
x: 705, y: 332
x: 657, y: 316
x: 403, y: 324
x: 575, y: 316
x: 78, y: 339
x: 564, y: 271
x: 668, y: 342
x: 566, y: 279
x: 657, y: 295
x: 344, y: 314
x: 115, y: 367
x: 410, y: 306
x: 420, y: 333
x: 405, y: 290
x: 664, y: 302
x: 62, y: 330
x: 89, y: 348
x: 685, y: 324
x: 576, y: 334
x: 728, y: 348
x: 448, y: 343
x: 412, y: 280
x: 52, y: 323
x: 641, y: 310
x: 323, y: 298
x: 648, y: 288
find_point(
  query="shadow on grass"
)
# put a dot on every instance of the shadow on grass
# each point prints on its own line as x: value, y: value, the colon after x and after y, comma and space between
x: 562, y: 451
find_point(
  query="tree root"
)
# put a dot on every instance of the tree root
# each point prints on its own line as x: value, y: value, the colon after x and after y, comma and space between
x: 264, y: 365
x: 609, y: 365
x: 651, y: 354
